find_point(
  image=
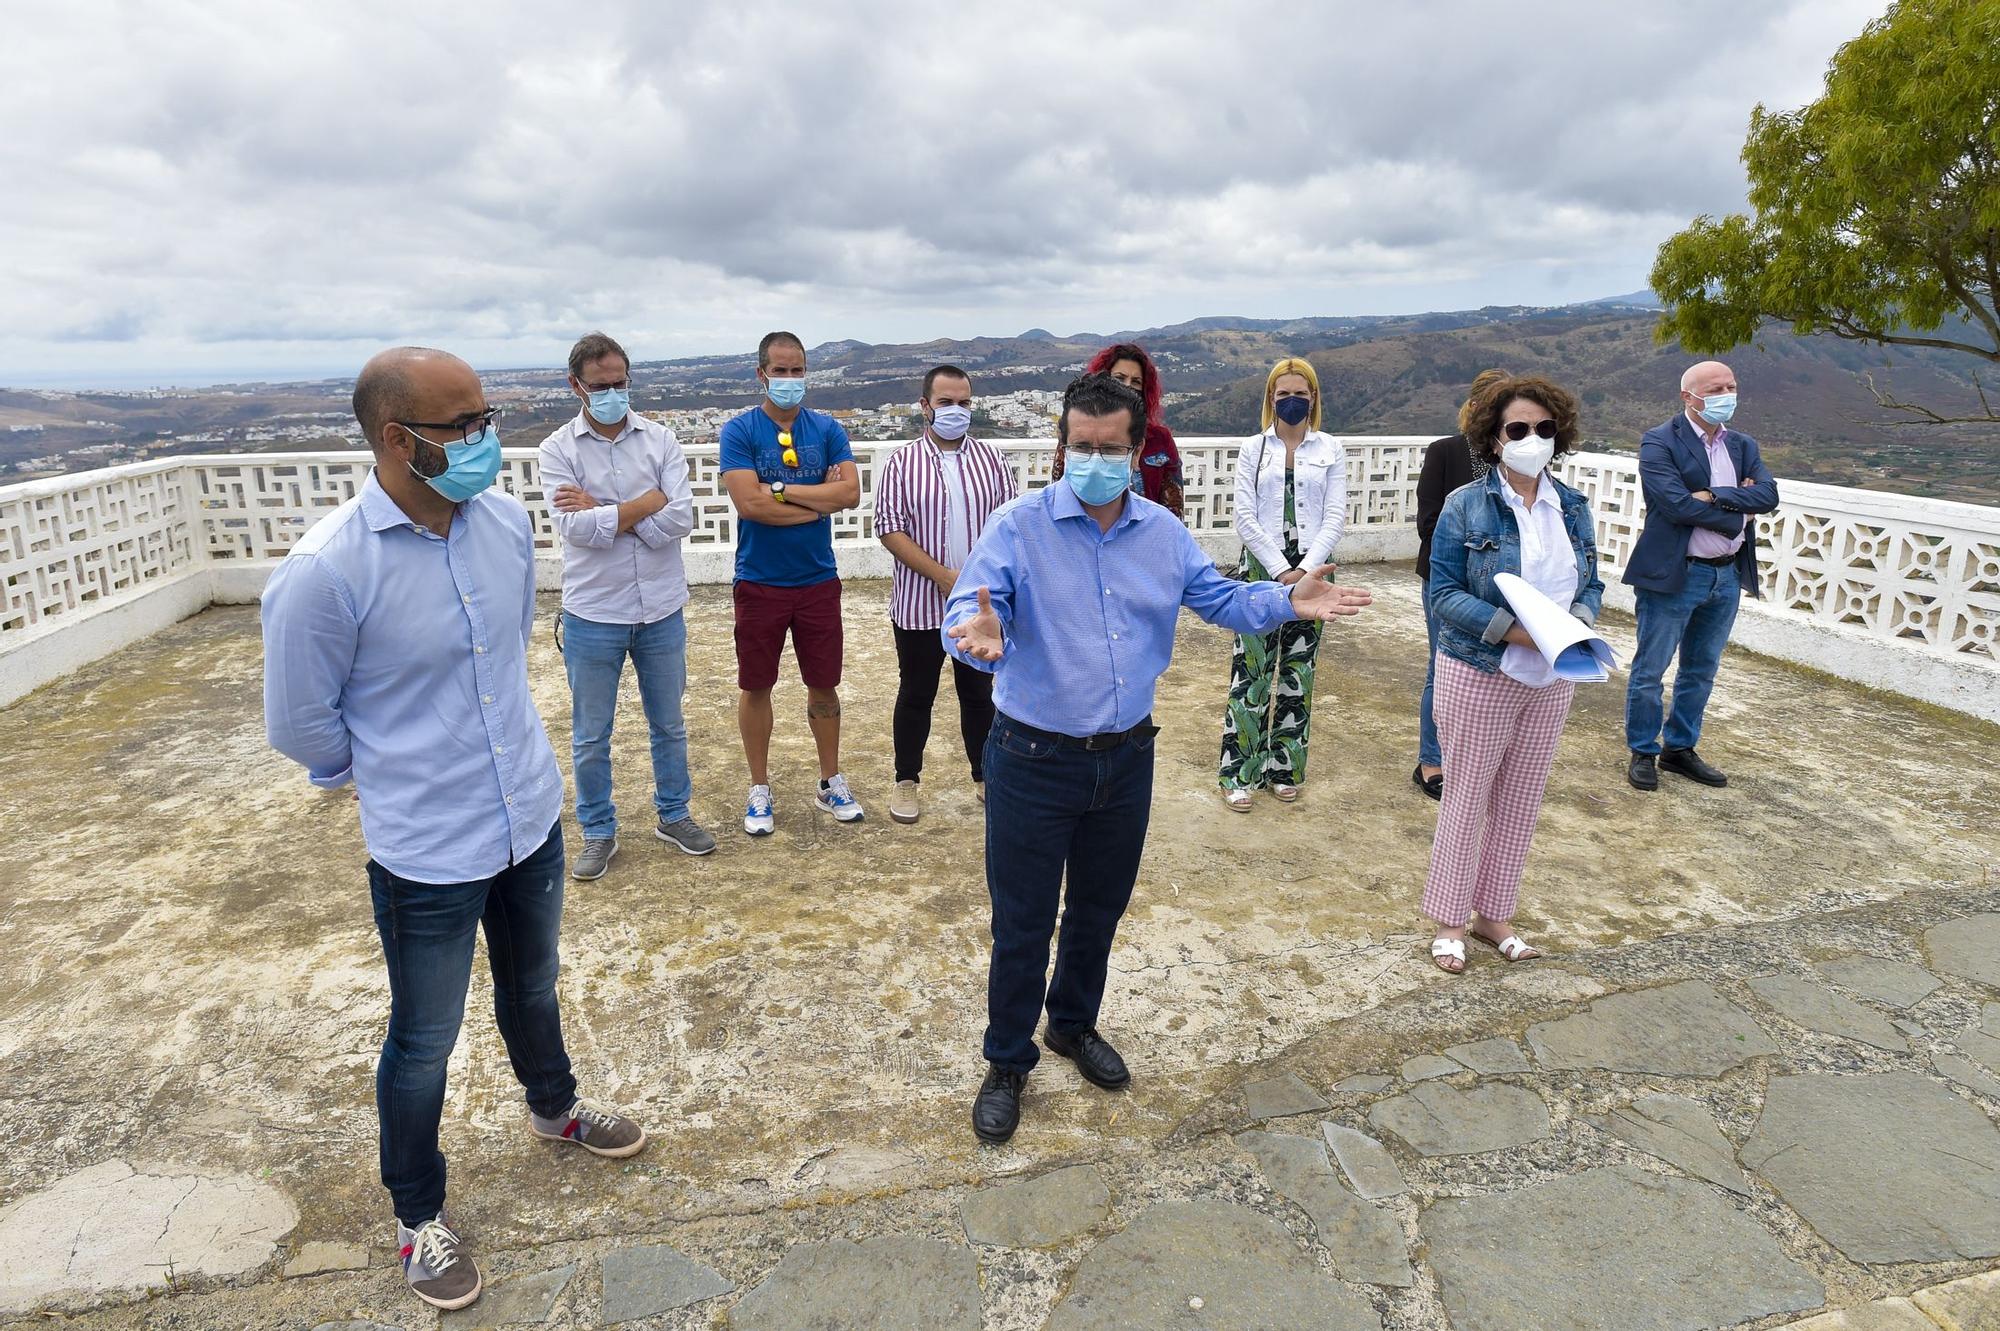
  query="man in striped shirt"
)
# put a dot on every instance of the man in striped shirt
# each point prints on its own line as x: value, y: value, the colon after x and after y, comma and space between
x: 932, y: 499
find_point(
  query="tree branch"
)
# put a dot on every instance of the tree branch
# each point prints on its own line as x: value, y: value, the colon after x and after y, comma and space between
x: 1958, y: 288
x: 1924, y: 415
x: 1842, y: 326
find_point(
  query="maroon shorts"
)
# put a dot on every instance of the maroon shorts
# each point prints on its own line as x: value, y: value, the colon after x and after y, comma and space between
x: 812, y: 614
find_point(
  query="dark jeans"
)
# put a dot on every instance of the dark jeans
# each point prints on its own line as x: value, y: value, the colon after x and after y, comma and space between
x: 1047, y: 809
x: 1428, y: 752
x: 427, y: 932
x: 919, y: 654
x: 1693, y: 623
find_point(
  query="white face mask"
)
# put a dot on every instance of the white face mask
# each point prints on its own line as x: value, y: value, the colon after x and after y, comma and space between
x: 1527, y: 457
x: 951, y: 422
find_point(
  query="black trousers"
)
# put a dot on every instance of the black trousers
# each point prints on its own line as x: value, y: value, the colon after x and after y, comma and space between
x: 919, y: 654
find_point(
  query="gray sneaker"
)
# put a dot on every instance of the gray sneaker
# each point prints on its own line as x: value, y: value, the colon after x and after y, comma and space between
x: 596, y: 1129
x: 436, y: 1264
x: 595, y: 858
x: 687, y: 834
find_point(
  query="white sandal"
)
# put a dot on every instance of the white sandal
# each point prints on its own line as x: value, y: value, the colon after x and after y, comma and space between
x: 1284, y: 792
x: 1512, y: 948
x: 1238, y: 800
x: 1448, y: 947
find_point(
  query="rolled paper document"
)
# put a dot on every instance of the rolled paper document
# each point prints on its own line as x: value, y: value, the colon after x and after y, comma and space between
x: 1571, y: 647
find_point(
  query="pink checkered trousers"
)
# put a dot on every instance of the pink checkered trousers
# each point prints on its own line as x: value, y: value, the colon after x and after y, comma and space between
x: 1498, y: 740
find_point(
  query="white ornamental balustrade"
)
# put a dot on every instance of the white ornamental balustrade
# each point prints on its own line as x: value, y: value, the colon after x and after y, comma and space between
x: 1892, y: 591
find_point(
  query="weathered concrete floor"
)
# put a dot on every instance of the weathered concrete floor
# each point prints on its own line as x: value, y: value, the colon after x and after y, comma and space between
x: 194, y: 987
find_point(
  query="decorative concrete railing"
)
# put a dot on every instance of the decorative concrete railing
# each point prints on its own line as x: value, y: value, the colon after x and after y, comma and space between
x: 1890, y: 591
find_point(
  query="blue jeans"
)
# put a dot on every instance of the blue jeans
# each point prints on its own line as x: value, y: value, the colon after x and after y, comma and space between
x: 1048, y: 808
x: 1428, y: 753
x: 594, y: 655
x: 1695, y: 622
x: 427, y: 931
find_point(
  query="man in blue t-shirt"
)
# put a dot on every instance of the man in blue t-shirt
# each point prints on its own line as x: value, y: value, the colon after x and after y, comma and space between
x: 788, y: 470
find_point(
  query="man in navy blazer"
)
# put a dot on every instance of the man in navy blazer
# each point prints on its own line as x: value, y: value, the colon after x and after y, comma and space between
x: 1703, y: 484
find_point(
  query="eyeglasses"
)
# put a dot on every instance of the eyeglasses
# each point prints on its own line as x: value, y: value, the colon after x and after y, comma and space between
x: 469, y: 428
x: 785, y: 442
x: 589, y: 387
x: 1518, y: 430
x: 1114, y: 452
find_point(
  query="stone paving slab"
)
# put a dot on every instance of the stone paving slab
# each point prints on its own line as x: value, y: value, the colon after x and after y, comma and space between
x: 1037, y: 1212
x: 1980, y: 1047
x: 1490, y: 1058
x: 1616, y: 1247
x: 1966, y: 1073
x: 1680, y: 1132
x: 1885, y: 1315
x: 1426, y: 1067
x: 1366, y: 1162
x: 112, y: 1228
x: 1899, y: 984
x: 1888, y: 1167
x: 1281, y: 1097
x: 906, y: 1284
x: 1436, y: 1119
x: 1363, y: 1083
x: 1364, y: 1241
x: 650, y: 1280
x: 1818, y: 1008
x: 1208, y: 1265
x: 1676, y: 1030
x: 1971, y: 1304
x: 521, y: 1299
x: 1967, y: 947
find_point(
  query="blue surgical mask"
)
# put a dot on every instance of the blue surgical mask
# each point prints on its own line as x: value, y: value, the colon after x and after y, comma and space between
x: 786, y: 393
x: 469, y: 467
x: 1717, y: 408
x: 608, y: 406
x: 951, y: 422
x: 1096, y: 480
x: 1292, y: 410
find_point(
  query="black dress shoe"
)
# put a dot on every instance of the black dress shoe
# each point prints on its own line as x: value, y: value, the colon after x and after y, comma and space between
x: 996, y: 1110
x: 1094, y: 1058
x: 1642, y: 773
x: 1688, y: 763
x: 1431, y: 786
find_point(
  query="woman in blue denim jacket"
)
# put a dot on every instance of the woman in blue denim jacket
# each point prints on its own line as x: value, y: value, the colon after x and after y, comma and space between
x: 1499, y: 706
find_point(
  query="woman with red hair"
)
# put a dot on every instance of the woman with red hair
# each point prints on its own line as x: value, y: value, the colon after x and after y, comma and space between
x: 1159, y: 463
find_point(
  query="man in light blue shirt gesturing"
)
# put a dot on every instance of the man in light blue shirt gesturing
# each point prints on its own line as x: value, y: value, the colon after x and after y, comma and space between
x: 1070, y: 598
x: 395, y: 657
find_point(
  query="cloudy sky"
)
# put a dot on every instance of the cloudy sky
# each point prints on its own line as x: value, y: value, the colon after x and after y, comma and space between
x: 205, y: 189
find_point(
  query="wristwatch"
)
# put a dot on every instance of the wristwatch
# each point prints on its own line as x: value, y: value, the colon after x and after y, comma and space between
x: 778, y: 492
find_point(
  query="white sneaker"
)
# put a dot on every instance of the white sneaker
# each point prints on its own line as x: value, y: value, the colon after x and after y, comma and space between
x: 834, y: 798
x: 757, y: 816
x: 903, y: 805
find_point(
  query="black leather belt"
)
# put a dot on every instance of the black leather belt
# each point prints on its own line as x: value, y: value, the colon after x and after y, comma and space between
x: 1719, y: 561
x: 1110, y: 739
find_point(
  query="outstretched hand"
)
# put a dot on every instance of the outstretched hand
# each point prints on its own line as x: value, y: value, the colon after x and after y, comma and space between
x: 979, y: 637
x: 1313, y: 597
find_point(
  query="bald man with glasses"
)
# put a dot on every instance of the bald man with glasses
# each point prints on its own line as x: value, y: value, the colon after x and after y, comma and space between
x: 395, y: 658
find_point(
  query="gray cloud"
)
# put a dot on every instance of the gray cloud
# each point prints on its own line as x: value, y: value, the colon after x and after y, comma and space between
x: 236, y: 182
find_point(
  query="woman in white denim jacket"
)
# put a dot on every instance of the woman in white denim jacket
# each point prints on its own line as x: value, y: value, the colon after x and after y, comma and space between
x: 1291, y: 505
